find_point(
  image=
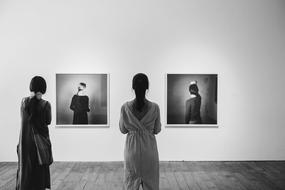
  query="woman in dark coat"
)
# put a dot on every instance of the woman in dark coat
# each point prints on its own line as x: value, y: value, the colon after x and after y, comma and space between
x: 80, y: 106
x: 193, y: 105
x: 33, y: 170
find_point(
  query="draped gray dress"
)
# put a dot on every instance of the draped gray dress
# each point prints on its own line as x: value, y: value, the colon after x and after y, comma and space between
x: 141, y: 155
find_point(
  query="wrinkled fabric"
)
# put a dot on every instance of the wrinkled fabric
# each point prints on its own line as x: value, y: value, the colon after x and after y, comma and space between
x: 141, y: 155
x: 80, y: 106
x: 31, y: 175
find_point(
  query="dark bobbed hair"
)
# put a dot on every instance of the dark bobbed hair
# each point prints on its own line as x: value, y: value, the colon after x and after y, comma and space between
x: 193, y: 89
x: 83, y: 84
x: 38, y: 84
x: 140, y: 81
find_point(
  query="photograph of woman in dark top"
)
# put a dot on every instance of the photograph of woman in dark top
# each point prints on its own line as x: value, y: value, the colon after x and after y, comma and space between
x: 36, y: 116
x: 193, y: 105
x: 80, y: 106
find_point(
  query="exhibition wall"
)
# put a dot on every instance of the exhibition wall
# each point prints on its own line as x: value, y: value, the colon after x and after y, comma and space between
x: 241, y: 41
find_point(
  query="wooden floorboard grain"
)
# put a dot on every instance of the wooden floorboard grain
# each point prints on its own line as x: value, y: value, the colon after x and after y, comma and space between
x: 170, y: 176
x: 178, y: 170
x: 253, y: 175
x: 164, y: 184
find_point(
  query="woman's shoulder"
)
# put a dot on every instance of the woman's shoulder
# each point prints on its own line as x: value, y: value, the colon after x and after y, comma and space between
x: 45, y: 103
x: 125, y: 104
x: 128, y: 103
x: 81, y: 96
x: 25, y: 100
x: 193, y: 97
x: 189, y: 100
x: 154, y: 104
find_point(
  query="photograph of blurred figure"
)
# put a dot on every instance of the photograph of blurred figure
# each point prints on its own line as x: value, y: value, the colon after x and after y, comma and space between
x: 80, y: 105
x: 192, y: 100
x: 193, y: 105
x: 82, y: 100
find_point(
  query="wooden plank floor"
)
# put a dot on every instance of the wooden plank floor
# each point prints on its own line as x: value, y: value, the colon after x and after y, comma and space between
x: 173, y: 175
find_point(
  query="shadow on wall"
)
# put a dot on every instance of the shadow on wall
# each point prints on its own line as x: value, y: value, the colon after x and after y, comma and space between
x: 96, y: 90
x: 178, y: 93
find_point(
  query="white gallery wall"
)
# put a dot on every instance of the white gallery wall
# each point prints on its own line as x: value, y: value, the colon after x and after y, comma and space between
x: 241, y: 41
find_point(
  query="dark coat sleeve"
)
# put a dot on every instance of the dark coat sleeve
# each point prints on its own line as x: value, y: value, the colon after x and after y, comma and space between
x: 48, y: 113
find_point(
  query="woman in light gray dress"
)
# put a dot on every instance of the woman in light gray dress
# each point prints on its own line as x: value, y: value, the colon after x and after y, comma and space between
x: 140, y: 120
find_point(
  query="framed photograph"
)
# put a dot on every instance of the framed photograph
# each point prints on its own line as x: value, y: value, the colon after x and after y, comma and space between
x: 191, y: 100
x: 82, y: 100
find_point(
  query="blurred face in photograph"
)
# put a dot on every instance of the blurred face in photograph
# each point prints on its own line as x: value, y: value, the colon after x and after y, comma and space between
x: 39, y: 95
x: 81, y: 87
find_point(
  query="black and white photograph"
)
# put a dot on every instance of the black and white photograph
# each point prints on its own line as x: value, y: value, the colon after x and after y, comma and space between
x: 82, y: 100
x: 192, y: 100
x: 142, y: 95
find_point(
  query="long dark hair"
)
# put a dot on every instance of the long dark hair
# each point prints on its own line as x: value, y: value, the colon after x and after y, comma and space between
x: 140, y: 85
x: 37, y: 84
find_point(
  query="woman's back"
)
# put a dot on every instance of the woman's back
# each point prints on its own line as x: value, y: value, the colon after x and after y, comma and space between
x: 139, y: 114
x: 34, y: 145
x: 141, y: 154
x: 140, y: 120
x: 38, y: 113
x: 133, y: 120
x: 193, y: 106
